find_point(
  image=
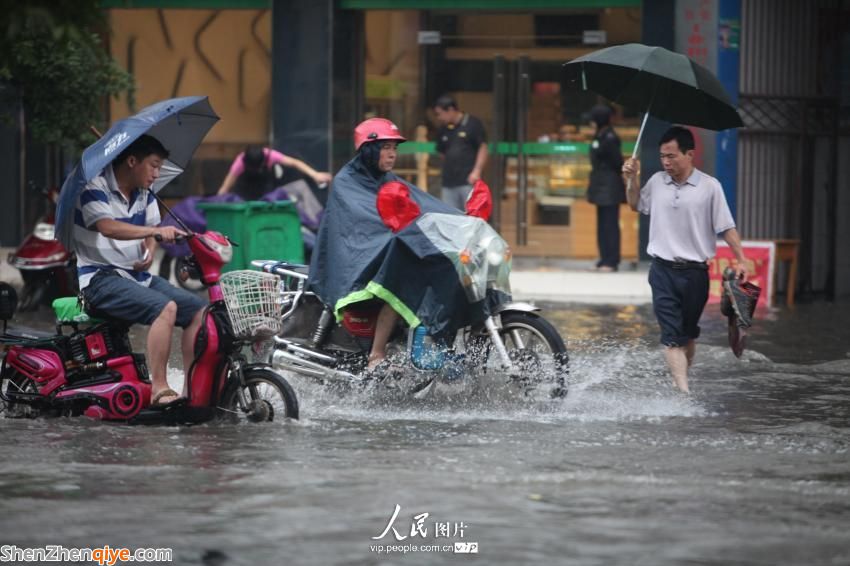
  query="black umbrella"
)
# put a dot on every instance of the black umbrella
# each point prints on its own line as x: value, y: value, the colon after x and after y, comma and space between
x: 662, y: 83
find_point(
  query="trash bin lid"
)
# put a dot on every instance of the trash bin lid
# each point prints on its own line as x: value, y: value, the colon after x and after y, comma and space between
x: 253, y: 205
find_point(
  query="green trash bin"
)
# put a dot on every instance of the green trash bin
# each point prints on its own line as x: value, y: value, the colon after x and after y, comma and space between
x: 263, y: 230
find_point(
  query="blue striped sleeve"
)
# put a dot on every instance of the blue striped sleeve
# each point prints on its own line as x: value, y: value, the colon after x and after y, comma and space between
x: 78, y: 219
x: 93, y: 195
x: 94, y: 209
x: 137, y: 219
x: 153, y: 218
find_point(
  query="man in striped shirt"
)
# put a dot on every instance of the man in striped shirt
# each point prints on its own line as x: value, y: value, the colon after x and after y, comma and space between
x: 115, y: 225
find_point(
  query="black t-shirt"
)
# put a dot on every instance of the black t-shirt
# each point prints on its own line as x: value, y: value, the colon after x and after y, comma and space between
x: 606, y: 183
x: 459, y: 145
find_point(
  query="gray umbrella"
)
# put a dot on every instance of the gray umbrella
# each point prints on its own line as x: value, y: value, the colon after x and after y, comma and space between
x: 178, y: 123
x: 665, y: 84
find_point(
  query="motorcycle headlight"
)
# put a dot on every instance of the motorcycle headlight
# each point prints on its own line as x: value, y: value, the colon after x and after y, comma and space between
x: 44, y: 231
x: 495, y: 258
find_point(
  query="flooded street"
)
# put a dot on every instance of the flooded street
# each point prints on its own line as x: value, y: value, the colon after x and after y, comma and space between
x: 752, y: 469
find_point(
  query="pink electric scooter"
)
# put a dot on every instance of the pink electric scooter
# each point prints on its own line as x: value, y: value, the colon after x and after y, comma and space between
x: 87, y: 367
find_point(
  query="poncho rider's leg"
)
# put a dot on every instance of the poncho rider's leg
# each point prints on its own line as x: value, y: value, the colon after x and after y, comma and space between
x: 387, y: 319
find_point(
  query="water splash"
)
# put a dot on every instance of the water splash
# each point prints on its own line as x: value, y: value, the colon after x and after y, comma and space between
x: 606, y: 382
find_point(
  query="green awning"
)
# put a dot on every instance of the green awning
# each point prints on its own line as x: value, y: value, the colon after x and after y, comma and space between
x: 189, y: 4
x: 489, y: 5
x: 512, y: 148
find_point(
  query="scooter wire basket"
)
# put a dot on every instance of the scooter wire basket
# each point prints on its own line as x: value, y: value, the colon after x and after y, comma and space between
x: 253, y: 303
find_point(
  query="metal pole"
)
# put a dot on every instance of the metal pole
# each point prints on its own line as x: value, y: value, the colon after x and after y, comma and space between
x: 22, y: 165
x: 523, y: 87
x: 498, y: 135
x: 832, y: 215
x: 807, y: 204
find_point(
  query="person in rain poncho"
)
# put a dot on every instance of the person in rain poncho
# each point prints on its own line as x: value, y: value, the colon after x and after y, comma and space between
x: 370, y: 245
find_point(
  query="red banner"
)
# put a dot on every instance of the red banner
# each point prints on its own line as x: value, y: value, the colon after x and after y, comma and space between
x: 760, y: 265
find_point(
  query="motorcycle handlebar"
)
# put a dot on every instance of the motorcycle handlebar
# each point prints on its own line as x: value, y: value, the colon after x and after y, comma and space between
x: 280, y: 268
x: 177, y: 240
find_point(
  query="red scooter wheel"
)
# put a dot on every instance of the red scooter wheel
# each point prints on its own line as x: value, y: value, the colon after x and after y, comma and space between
x: 266, y: 396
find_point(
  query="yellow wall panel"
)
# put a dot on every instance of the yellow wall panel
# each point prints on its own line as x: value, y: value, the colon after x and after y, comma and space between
x: 223, y: 54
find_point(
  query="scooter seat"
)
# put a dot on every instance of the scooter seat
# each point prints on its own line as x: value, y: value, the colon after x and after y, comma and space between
x: 67, y: 310
x: 14, y: 334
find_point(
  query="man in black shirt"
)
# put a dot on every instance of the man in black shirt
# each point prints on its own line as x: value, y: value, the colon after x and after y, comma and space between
x: 606, y: 189
x: 462, y: 141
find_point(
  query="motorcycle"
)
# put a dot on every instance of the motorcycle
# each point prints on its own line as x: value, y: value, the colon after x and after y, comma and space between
x: 92, y: 371
x: 47, y: 268
x: 514, y: 341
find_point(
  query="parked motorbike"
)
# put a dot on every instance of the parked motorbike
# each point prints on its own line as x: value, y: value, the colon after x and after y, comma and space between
x: 515, y: 341
x: 47, y: 268
x: 88, y: 368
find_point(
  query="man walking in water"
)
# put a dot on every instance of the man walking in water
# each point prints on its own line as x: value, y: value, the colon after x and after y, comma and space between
x: 687, y: 210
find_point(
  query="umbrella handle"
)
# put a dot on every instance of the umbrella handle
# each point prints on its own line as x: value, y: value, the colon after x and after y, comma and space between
x: 640, y: 134
x: 637, y: 145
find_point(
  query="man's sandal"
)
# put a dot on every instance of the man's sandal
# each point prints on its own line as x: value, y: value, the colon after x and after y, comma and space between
x: 155, y: 400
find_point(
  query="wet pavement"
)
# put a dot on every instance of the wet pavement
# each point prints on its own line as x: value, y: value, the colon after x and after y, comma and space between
x: 751, y: 469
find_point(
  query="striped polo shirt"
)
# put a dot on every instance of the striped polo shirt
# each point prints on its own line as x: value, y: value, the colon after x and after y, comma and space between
x: 101, y: 199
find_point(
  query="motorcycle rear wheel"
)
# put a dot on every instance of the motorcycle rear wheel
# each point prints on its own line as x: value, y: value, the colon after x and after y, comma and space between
x: 266, y: 395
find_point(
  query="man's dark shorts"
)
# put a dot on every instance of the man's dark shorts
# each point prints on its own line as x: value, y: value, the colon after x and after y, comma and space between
x: 678, y: 299
x: 121, y: 298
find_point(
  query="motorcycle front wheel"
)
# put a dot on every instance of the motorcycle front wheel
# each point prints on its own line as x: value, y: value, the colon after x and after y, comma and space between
x: 264, y: 396
x: 535, y: 347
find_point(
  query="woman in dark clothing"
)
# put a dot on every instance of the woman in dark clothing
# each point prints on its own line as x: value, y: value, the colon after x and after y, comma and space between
x: 606, y: 190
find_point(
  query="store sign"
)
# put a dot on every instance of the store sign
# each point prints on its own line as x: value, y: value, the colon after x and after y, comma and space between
x: 429, y: 37
x: 594, y: 37
x: 696, y: 36
x: 761, y: 259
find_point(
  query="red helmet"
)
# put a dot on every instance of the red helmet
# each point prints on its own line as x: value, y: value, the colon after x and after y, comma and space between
x: 375, y: 129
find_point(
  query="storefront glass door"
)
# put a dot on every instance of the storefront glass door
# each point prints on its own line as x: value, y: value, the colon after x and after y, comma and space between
x: 505, y: 69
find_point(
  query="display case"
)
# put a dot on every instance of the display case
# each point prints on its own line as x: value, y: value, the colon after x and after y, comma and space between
x: 560, y: 221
